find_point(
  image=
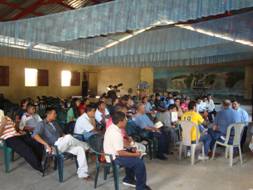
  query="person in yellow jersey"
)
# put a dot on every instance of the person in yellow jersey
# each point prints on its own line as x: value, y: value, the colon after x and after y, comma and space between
x: 193, y: 116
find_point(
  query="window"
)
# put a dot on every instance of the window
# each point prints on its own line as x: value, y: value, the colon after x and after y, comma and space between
x: 65, y: 78
x: 4, y: 76
x: 31, y: 77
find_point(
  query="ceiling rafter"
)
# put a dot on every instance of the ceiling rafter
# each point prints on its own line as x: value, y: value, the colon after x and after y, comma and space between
x: 31, y: 9
x: 60, y: 2
x: 16, y: 6
x: 28, y: 10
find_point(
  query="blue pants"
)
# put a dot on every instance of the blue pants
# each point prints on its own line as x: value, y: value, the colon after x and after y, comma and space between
x: 207, y: 140
x: 163, y: 142
x: 135, y: 168
x: 215, y: 135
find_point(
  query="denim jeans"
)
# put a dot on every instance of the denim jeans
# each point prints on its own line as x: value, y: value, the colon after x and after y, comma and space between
x: 206, y: 139
x: 135, y: 168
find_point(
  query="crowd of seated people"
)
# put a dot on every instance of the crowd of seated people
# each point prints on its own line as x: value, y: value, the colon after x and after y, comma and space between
x: 103, y: 122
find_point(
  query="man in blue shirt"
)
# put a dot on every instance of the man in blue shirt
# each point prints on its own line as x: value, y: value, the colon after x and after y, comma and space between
x: 223, y: 119
x: 143, y: 121
x: 243, y: 117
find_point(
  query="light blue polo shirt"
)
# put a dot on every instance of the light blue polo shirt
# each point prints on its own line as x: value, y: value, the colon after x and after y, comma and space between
x: 226, y: 117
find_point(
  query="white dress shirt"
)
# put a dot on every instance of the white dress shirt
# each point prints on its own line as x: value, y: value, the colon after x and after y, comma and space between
x: 99, y: 115
x: 210, y: 105
x: 1, y: 115
x: 201, y: 107
x: 83, y: 124
x: 113, y: 141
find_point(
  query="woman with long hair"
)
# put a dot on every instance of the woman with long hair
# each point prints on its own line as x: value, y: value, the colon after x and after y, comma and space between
x: 73, y: 112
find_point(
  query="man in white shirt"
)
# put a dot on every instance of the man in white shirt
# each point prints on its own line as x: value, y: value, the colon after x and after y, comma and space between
x: 30, y: 119
x: 102, y: 114
x: 210, y: 108
x: 86, y: 124
x: 1, y: 115
x: 131, y: 160
x: 201, y: 105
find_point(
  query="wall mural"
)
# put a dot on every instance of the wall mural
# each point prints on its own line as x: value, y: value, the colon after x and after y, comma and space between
x: 225, y: 81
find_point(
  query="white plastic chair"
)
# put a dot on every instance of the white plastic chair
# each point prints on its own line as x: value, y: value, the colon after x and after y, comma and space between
x: 187, y: 142
x: 238, y: 129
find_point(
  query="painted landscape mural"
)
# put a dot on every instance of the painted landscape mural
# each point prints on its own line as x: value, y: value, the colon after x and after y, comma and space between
x: 196, y: 81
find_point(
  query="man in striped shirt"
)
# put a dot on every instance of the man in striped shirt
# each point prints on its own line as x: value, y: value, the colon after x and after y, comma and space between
x: 21, y: 143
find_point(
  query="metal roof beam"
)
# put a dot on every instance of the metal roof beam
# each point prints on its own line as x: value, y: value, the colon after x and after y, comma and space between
x: 60, y: 2
x: 29, y: 10
x: 96, y: 1
x: 17, y: 6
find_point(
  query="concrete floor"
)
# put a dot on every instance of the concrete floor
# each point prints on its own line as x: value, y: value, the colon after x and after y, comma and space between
x: 162, y: 175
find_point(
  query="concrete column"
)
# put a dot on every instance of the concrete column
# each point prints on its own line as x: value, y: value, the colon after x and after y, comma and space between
x: 248, y: 82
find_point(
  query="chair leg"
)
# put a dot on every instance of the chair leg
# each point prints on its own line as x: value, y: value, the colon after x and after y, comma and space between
x: 106, y: 171
x: 7, y: 158
x: 231, y: 154
x: 203, y: 151
x: 240, y: 153
x: 96, y: 175
x: 214, y: 151
x: 149, y: 146
x: 44, y: 166
x: 12, y: 156
x: 154, y: 148
x: 116, y: 176
x: 60, y: 163
x: 226, y: 152
x: 76, y: 162
x: 193, y: 149
x: 55, y: 163
x: 180, y: 151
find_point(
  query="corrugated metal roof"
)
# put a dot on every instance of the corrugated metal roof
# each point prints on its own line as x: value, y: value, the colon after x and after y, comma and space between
x: 11, y: 8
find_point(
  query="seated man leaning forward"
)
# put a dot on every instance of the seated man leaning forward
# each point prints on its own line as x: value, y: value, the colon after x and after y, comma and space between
x: 143, y: 121
x: 170, y: 124
x: 222, y: 121
x: 131, y: 160
x: 30, y: 119
x: 102, y: 114
x: 49, y: 134
x: 86, y: 124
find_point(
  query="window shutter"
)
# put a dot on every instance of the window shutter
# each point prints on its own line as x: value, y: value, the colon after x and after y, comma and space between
x: 42, y: 77
x: 75, y: 79
x: 4, y: 76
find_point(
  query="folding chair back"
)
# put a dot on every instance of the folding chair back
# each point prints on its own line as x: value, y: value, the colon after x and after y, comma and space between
x: 236, y: 130
x: 187, y: 132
